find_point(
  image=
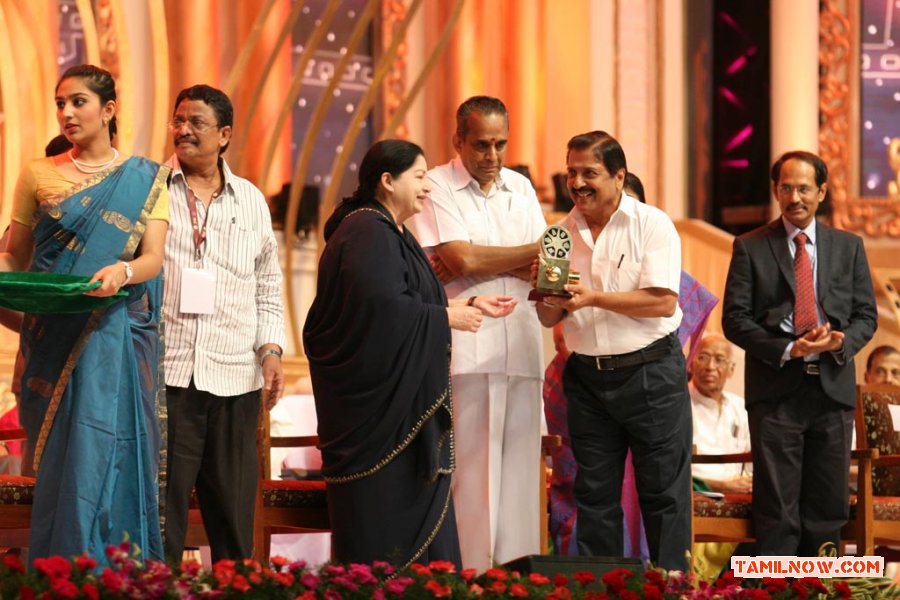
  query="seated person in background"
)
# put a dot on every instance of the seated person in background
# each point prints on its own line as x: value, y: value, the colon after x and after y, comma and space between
x: 720, y: 419
x: 883, y: 366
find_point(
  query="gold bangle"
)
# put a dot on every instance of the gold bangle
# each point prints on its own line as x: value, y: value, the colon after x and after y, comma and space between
x: 471, y: 301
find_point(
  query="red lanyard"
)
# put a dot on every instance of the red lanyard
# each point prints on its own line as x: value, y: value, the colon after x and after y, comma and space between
x: 199, y: 232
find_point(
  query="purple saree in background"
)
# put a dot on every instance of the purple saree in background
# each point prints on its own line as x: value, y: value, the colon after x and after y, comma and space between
x: 696, y: 304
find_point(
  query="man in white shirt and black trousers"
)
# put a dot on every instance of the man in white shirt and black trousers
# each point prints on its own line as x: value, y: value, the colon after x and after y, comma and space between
x: 625, y: 380
x: 224, y: 334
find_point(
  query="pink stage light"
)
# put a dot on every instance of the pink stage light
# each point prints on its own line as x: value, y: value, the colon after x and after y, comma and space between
x: 739, y: 138
x: 737, y: 65
x: 735, y: 163
x: 729, y: 95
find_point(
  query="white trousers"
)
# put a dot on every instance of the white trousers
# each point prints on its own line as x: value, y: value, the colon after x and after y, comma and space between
x: 497, y: 422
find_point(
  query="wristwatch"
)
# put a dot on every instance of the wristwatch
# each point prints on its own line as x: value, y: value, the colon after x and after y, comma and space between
x: 269, y: 352
x: 129, y: 271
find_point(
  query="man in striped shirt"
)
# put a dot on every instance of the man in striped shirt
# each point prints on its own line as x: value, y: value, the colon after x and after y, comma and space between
x: 224, y: 333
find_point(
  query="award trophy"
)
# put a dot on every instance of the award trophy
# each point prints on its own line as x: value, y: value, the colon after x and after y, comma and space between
x: 553, y: 265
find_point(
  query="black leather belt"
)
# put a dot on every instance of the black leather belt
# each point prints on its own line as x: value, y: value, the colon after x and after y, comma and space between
x: 655, y: 351
x: 811, y: 368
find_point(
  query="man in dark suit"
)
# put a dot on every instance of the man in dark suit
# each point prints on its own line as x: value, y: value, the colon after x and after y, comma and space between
x: 799, y: 301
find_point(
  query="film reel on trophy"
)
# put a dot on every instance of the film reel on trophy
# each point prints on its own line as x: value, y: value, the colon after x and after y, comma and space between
x: 553, y: 264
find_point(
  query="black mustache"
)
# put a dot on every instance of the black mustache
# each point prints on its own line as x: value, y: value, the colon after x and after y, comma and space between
x: 581, y: 189
x: 186, y: 138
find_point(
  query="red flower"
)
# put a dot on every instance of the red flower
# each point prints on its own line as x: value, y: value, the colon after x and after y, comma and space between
x: 476, y: 590
x: 420, y: 570
x: 584, y: 577
x: 816, y: 584
x: 468, y: 574
x: 90, y: 590
x: 191, y: 567
x: 437, y: 590
x: 498, y: 587
x: 110, y: 580
x: 560, y: 580
x: 560, y: 593
x: 279, y: 562
x: 285, y: 579
x: 13, y: 563
x: 85, y: 562
x: 64, y: 588
x: 538, y: 579
x: 774, y: 586
x: 651, y: 592
x: 240, y: 583
x: 591, y: 595
x: 799, y: 589
x: 53, y: 567
x: 615, y: 580
x: 25, y: 593
x: 517, y: 590
x: 760, y: 594
x: 843, y: 588
x: 307, y: 595
x: 498, y: 574
x: 442, y: 566
x: 254, y: 578
x: 629, y: 595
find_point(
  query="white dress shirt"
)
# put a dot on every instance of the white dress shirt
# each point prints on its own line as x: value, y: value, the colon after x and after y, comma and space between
x: 508, y: 215
x: 639, y: 248
x: 219, y: 349
x: 719, y: 432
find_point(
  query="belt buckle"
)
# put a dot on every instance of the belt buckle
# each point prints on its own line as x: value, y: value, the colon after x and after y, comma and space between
x: 597, y: 359
x: 811, y: 368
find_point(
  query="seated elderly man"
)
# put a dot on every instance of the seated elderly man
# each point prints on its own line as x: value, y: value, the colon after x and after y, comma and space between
x: 883, y: 366
x: 720, y: 419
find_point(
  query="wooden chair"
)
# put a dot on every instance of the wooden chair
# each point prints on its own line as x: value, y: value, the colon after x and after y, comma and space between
x: 285, y: 506
x: 16, y: 497
x: 876, y: 516
x: 730, y: 519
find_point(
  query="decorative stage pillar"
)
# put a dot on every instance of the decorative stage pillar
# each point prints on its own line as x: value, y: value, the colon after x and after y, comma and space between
x: 795, y: 78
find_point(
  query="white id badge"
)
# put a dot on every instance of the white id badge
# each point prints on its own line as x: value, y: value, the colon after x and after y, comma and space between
x: 198, y: 291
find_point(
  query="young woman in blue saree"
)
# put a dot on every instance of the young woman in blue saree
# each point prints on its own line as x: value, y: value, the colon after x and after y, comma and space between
x: 91, y: 400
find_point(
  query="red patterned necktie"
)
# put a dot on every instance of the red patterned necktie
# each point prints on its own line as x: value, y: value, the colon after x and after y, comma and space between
x: 805, y: 317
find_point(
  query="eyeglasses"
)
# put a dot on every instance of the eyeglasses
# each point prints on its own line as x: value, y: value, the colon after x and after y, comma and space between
x: 805, y: 191
x: 718, y: 361
x: 195, y: 124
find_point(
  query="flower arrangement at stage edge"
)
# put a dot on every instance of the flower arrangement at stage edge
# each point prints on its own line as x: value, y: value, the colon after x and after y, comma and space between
x: 124, y: 575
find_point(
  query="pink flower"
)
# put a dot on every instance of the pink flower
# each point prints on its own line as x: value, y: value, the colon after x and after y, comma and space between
x: 476, y: 590
x: 397, y: 586
x: 334, y: 570
x: 309, y: 580
x: 384, y: 567
x: 378, y: 594
x: 191, y: 567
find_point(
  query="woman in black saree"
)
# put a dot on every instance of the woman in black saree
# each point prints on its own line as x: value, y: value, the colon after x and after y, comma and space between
x: 378, y: 342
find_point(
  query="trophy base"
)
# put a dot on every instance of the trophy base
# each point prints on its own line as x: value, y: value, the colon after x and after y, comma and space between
x: 538, y: 295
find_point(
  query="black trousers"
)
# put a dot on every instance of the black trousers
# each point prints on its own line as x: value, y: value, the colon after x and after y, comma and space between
x: 801, y: 461
x: 212, y: 446
x: 646, y: 408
